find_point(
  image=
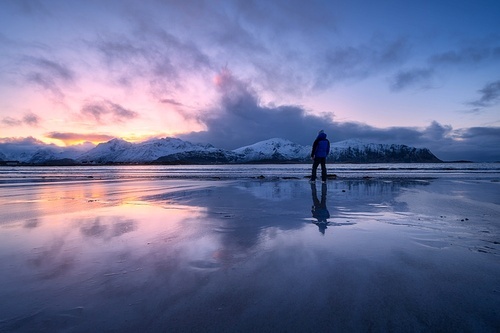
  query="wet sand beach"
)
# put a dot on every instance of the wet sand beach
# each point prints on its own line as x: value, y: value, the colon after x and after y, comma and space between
x: 248, y: 255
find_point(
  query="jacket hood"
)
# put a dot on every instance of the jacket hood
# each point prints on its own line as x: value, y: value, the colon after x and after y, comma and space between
x: 322, y: 136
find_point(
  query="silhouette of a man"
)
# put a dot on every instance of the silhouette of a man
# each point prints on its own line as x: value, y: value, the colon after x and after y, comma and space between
x: 320, y: 150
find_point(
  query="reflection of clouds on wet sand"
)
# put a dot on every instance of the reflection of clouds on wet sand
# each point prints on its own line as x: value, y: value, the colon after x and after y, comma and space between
x: 31, y: 223
x: 100, y: 257
x: 244, y: 256
x: 106, y: 228
x: 52, y: 260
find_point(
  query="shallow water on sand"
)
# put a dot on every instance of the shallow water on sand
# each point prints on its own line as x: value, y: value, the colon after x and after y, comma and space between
x: 26, y: 175
x: 250, y: 255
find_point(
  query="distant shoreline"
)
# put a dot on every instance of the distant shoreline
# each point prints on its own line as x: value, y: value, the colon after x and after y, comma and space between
x: 263, y: 162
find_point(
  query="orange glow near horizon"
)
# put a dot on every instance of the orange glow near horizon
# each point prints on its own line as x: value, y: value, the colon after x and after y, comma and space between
x: 78, y: 139
x: 67, y: 139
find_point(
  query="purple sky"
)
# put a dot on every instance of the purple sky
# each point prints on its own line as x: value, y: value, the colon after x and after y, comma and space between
x: 231, y: 73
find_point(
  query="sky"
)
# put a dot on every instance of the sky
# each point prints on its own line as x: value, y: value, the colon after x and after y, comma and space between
x: 232, y: 73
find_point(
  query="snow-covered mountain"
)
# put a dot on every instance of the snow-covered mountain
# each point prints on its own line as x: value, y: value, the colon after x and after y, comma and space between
x: 274, y: 150
x: 176, y: 151
x: 32, y: 151
x: 166, y: 149
x: 357, y: 151
x: 106, y: 152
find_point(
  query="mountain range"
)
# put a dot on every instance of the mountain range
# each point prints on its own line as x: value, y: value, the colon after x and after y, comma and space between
x: 176, y: 151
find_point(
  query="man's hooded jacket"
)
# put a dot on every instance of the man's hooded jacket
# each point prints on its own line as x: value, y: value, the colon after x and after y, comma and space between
x: 321, y: 146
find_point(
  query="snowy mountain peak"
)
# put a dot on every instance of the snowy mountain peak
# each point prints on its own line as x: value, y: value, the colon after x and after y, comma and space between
x: 175, y: 143
x: 349, y: 143
x: 113, y: 145
x: 273, y: 149
x: 269, y: 144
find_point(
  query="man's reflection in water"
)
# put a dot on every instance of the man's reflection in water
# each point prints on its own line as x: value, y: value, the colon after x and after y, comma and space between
x: 319, y: 210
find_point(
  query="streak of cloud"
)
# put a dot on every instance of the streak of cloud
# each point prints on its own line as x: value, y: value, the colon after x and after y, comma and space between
x: 49, y: 75
x: 359, y: 62
x: 10, y: 121
x: 53, y: 69
x: 70, y: 138
x: 465, y: 57
x: 171, y: 101
x: 417, y: 77
x: 46, y: 83
x: 105, y: 110
x: 489, y: 95
x: 28, y: 118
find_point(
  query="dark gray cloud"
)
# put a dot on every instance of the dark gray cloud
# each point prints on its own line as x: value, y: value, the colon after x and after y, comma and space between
x: 436, y: 132
x: 241, y: 120
x: 28, y: 141
x: 474, y: 143
x: 478, y: 144
x: 16, y: 145
x: 489, y: 95
x: 103, y: 111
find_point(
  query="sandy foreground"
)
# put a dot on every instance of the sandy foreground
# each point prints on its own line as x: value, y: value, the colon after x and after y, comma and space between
x: 244, y: 255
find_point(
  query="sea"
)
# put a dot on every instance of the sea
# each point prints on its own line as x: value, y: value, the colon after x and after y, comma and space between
x: 31, y: 174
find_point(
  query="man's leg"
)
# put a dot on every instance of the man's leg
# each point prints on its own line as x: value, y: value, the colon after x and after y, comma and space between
x: 314, y: 168
x: 323, y: 169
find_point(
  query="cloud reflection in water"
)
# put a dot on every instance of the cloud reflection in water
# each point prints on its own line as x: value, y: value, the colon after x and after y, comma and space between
x: 235, y: 255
